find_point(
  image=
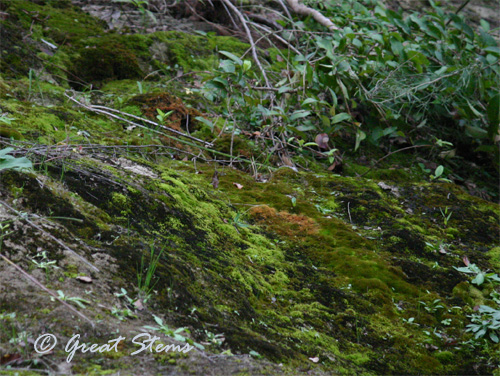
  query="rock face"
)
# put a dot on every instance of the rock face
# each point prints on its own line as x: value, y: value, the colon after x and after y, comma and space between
x: 121, y: 230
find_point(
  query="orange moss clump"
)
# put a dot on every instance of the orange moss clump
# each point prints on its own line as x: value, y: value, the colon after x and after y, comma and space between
x: 283, y: 222
x: 165, y: 102
x: 180, y: 118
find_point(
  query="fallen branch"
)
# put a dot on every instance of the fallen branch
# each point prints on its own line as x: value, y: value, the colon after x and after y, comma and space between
x: 306, y: 11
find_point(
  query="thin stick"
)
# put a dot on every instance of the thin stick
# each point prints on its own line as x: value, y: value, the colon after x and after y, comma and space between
x: 275, y: 35
x: 349, y: 211
x: 250, y: 38
x: 53, y: 294
x: 50, y: 236
x: 107, y: 110
x: 458, y: 10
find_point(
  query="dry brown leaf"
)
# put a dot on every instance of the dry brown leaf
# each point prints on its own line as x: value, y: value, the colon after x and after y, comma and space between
x: 84, y: 279
x: 138, y: 304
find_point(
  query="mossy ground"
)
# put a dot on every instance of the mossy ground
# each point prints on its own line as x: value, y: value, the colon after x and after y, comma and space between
x: 348, y: 272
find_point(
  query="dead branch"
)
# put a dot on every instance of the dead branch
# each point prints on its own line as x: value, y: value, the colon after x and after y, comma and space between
x: 306, y: 11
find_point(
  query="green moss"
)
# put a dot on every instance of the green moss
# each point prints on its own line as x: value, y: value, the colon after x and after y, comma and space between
x: 121, y: 202
x: 494, y: 255
x: 62, y: 22
x: 444, y: 357
x: 10, y: 133
x: 106, y: 60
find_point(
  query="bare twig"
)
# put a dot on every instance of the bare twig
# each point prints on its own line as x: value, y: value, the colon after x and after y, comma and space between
x: 275, y: 35
x: 111, y: 113
x: 50, y: 292
x: 459, y: 9
x: 250, y: 38
x: 49, y: 235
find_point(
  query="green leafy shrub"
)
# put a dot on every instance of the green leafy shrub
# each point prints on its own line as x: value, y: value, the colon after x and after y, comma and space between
x: 381, y: 75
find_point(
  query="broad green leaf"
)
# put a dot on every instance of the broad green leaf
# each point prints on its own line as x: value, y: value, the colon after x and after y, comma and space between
x: 485, y: 25
x: 474, y: 111
x: 377, y: 37
x: 8, y: 162
x: 227, y: 66
x: 207, y: 122
x: 476, y: 132
x: 439, y: 171
x: 305, y: 127
x: 419, y: 59
x: 340, y: 117
x: 396, y: 46
x: 247, y: 65
x: 325, y: 120
x: 493, y: 49
x: 324, y: 43
x: 299, y: 114
x: 360, y: 136
x: 434, y: 32
x: 309, y: 101
x: 284, y: 89
x: 343, y: 88
x: 441, y: 70
x: 233, y: 57
x: 479, y: 280
x: 6, y: 151
x: 487, y: 39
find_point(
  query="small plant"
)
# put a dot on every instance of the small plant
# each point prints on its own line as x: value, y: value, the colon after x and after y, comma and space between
x: 486, y: 321
x: 162, y: 116
x: 480, y: 276
x: 437, y: 174
x: 173, y: 333
x: 123, y: 314
x: 330, y: 154
x: 237, y: 222
x: 433, y: 306
x: 141, y: 7
x: 45, y: 263
x: 214, y: 339
x: 145, y: 276
x: 124, y: 294
x: 4, y: 226
x: 8, y: 162
x: 33, y: 77
x: 75, y: 300
x: 165, y: 329
x: 446, y: 216
x: 294, y: 201
x: 440, y: 247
